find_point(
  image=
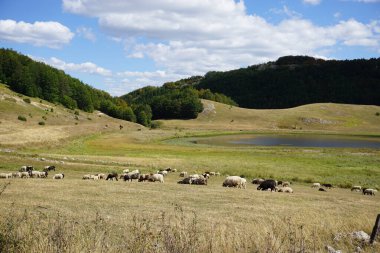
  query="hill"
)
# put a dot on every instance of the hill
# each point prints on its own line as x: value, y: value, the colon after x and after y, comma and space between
x: 314, y: 117
x: 298, y: 80
x: 47, y: 123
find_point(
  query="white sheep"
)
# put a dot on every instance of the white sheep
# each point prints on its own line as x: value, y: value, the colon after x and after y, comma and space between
x: 285, y: 184
x: 125, y: 171
x: 135, y: 172
x: 235, y: 181
x: 102, y: 176
x: 5, y: 175
x: 316, y: 185
x: 286, y: 189
x: 93, y: 177
x: 356, y: 188
x: 156, y: 177
x: 59, y: 176
x: 24, y: 174
x: 162, y: 172
x: 16, y: 174
x: 369, y: 192
x: 86, y: 177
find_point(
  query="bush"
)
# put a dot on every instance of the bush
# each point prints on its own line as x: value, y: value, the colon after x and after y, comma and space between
x: 155, y: 124
x: 51, y: 109
x: 27, y: 100
x: 377, y: 114
x: 41, y: 123
x: 44, y: 117
x: 76, y: 112
x: 22, y: 118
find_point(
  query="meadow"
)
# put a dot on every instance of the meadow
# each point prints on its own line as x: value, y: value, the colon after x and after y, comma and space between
x: 75, y: 215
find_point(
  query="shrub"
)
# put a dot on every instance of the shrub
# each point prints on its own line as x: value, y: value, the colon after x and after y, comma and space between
x: 76, y: 112
x: 155, y: 124
x: 41, y: 123
x: 51, y: 109
x: 89, y: 118
x: 44, y: 117
x: 27, y: 100
x: 377, y: 113
x: 22, y: 118
x: 76, y: 117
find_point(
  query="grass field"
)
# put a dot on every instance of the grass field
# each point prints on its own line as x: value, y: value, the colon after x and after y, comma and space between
x: 73, y: 215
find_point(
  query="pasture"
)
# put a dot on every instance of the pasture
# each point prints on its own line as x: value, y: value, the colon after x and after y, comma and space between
x: 75, y: 215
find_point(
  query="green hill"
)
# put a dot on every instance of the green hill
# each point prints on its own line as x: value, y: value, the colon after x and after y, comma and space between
x: 298, y: 80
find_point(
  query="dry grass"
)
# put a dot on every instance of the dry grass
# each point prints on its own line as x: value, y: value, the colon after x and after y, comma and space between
x: 72, y: 215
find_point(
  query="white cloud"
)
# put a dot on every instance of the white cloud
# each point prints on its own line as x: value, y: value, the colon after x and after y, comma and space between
x: 86, y: 33
x: 86, y: 67
x: 48, y: 34
x: 188, y: 38
x: 312, y: 2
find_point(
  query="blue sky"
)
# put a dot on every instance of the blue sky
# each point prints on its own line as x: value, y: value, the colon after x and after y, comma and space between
x: 121, y: 45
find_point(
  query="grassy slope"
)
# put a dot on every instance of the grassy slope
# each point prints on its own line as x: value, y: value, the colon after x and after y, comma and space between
x: 315, y: 117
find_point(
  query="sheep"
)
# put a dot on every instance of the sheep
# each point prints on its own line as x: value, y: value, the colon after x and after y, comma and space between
x: 5, y: 175
x: 257, y: 181
x: 286, y: 189
x: 198, y: 181
x: 285, y: 184
x: 86, y: 177
x: 16, y: 174
x: 321, y: 189
x: 162, y: 172
x: 316, y: 185
x: 174, y: 170
x: 59, y: 176
x: 49, y: 168
x: 101, y: 176
x: 126, y: 171
x: 267, y: 184
x: 217, y: 173
x: 130, y: 176
x: 34, y: 174
x: 112, y: 176
x: 135, y: 172
x: 183, y: 174
x: 93, y: 177
x: 328, y: 185
x: 234, y: 181
x: 212, y: 173
x: 356, y: 188
x: 195, y: 176
x: 42, y: 174
x: 156, y: 177
x: 143, y: 177
x: 369, y: 192
x: 25, y: 174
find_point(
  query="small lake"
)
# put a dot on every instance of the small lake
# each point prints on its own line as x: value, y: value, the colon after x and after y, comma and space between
x: 322, y: 141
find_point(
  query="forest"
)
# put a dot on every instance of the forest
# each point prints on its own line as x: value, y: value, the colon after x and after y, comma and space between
x: 36, y: 79
x: 297, y: 80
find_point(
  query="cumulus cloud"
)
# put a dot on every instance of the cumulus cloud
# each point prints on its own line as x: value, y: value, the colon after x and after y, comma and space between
x: 86, y: 67
x: 48, y: 34
x: 312, y: 2
x: 86, y: 33
x: 192, y: 37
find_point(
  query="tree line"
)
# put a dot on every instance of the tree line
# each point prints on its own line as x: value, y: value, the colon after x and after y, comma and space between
x: 297, y: 80
x: 177, y: 100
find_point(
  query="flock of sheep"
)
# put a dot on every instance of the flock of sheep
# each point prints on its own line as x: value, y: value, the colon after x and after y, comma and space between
x: 197, y: 179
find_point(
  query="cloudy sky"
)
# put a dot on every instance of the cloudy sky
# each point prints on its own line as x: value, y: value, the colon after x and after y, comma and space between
x: 122, y: 45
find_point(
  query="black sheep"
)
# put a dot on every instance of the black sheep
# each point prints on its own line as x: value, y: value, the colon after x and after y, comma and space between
x: 112, y: 176
x: 267, y: 184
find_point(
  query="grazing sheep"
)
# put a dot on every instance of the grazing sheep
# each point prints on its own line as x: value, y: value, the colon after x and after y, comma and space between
x: 26, y: 168
x: 122, y: 175
x: 130, y: 176
x: 267, y: 184
x: 217, y: 173
x: 212, y: 173
x: 183, y: 174
x: 16, y: 174
x: 356, y: 188
x: 143, y: 177
x: 25, y: 174
x: 328, y: 185
x: 285, y: 184
x: 234, y: 181
x: 86, y: 177
x: 316, y: 185
x: 156, y: 177
x: 112, y: 176
x: 168, y: 169
x: 34, y: 174
x: 5, y: 175
x: 135, y: 172
x: 49, y: 168
x: 186, y: 180
x: 101, y: 176
x: 198, y: 181
x: 22, y: 169
x: 94, y: 177
x: 193, y: 176
x: 257, y: 181
x: 59, y: 176
x: 286, y: 189
x: 43, y: 174
x: 162, y: 172
x: 126, y: 171
x: 206, y: 175
x: 174, y: 170
x: 279, y: 183
x: 322, y: 190
x: 369, y: 192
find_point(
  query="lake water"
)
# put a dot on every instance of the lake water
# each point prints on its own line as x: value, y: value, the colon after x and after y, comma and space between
x: 292, y: 141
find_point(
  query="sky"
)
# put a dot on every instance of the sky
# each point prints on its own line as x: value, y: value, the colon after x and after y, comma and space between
x: 122, y: 45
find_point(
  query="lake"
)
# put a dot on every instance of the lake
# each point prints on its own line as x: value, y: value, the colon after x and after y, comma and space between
x: 324, y: 141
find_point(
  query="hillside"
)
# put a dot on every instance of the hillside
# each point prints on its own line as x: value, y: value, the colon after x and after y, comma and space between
x: 314, y: 117
x: 60, y: 123
x: 298, y: 80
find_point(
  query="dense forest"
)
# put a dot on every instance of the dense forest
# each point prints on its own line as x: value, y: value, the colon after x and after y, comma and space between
x: 298, y: 80
x: 177, y: 100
